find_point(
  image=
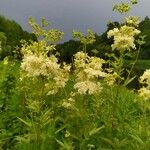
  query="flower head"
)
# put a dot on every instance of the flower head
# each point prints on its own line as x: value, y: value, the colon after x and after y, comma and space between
x: 123, y: 37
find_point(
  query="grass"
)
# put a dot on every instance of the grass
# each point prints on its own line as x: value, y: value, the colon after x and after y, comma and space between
x: 92, y: 117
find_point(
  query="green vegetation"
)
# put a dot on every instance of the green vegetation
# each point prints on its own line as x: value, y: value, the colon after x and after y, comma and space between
x: 102, y: 43
x: 11, y: 33
x: 90, y: 127
x: 48, y: 104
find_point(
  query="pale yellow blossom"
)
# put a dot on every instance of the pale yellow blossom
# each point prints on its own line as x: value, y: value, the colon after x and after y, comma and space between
x: 144, y: 93
x: 36, y: 63
x: 88, y: 70
x: 124, y: 37
x: 132, y: 20
x: 145, y: 78
x: 88, y: 87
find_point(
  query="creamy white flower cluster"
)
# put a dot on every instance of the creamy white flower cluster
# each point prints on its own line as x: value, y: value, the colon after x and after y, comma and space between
x: 123, y: 37
x: 68, y: 103
x: 88, y: 70
x: 111, y: 77
x: 38, y: 48
x: 145, y: 79
x: 40, y: 65
x: 124, y: 7
x: 132, y: 21
x: 36, y: 63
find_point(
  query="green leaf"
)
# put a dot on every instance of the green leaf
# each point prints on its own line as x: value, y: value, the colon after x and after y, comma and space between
x: 108, y: 141
x: 129, y: 81
x: 60, y: 143
x: 95, y: 130
x: 137, y: 138
x: 25, y: 122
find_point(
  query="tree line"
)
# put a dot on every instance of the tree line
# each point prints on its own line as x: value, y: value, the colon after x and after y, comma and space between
x: 11, y: 33
x: 102, y: 44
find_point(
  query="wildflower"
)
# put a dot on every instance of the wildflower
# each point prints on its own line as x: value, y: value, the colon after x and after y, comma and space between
x: 123, y: 37
x: 144, y: 93
x: 66, y: 104
x: 87, y: 87
x: 132, y: 21
x: 5, y: 61
x: 88, y: 70
x: 71, y: 99
x: 145, y: 78
x: 113, y: 32
x: 35, y: 65
x: 111, y: 78
x: 122, y: 7
x: 67, y: 134
x: 38, y: 64
x: 31, y: 64
x: 123, y: 43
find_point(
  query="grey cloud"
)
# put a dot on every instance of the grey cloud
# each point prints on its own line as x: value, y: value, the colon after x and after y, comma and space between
x: 68, y: 14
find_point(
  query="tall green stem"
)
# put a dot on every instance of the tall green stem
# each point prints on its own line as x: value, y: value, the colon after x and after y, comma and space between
x: 133, y: 65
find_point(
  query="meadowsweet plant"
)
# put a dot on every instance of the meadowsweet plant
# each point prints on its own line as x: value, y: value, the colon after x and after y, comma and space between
x: 126, y: 42
x: 123, y: 38
x: 88, y: 70
x: 79, y: 107
x: 132, y: 21
x: 46, y: 76
x: 36, y: 63
x: 144, y: 92
x: 124, y: 7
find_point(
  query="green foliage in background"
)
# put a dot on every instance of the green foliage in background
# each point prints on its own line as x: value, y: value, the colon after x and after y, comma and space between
x: 11, y: 33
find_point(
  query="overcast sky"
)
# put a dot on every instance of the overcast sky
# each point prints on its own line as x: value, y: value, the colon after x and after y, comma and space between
x: 68, y: 14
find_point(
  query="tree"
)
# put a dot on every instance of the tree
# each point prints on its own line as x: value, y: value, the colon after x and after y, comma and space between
x: 13, y: 34
x: 144, y: 26
x: 3, y: 40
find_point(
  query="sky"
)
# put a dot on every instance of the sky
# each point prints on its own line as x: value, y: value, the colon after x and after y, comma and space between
x: 67, y: 15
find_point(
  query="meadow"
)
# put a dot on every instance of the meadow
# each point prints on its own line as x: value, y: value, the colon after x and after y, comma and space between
x: 112, y: 119
x: 46, y: 104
